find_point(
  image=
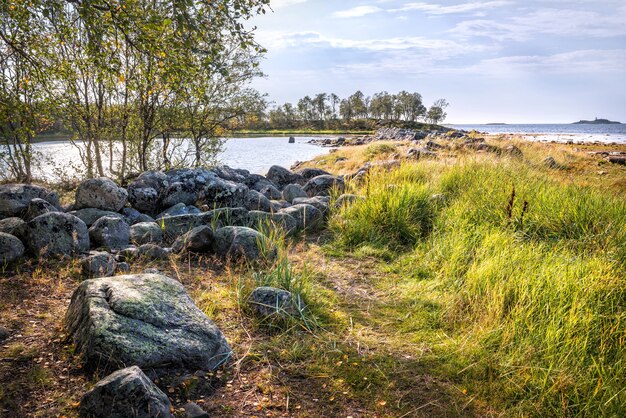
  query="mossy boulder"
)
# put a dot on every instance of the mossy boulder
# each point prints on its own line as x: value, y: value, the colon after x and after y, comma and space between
x: 146, y: 320
x: 56, y: 233
x: 100, y: 193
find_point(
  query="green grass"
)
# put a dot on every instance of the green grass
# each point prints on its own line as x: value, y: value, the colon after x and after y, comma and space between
x: 517, y: 280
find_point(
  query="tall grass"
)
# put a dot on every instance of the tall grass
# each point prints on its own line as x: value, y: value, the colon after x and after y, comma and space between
x: 531, y: 272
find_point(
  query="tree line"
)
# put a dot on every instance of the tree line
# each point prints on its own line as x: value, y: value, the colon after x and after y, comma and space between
x: 126, y: 79
x: 325, y: 110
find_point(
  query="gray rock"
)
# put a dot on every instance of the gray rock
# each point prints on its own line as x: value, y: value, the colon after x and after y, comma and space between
x: 153, y: 251
x: 145, y: 320
x: 513, y: 151
x: 11, y: 225
x: 100, y: 193
x: 152, y: 271
x: 175, y: 226
x: 122, y: 267
x: 231, y: 174
x: 324, y: 185
x: 14, y: 198
x: 194, y: 411
x: 144, y: 192
x: 281, y: 177
x: 123, y: 394
x: 293, y: 191
x: 128, y: 253
x: 11, y: 248
x: 146, y: 233
x: 261, y: 221
x: 98, y: 264
x: 257, y: 201
x: 309, y: 173
x: 220, y: 193
x: 4, y: 333
x: 177, y: 193
x: 224, y: 217
x: 133, y: 216
x: 267, y: 188
x: 347, y: 199
x: 550, y: 162
x: 38, y: 207
x: 198, y: 240
x: 109, y: 232
x: 292, y: 140
x: 321, y: 203
x: 270, y: 302
x: 91, y: 215
x: 239, y: 242
x: 307, y: 216
x: 57, y: 233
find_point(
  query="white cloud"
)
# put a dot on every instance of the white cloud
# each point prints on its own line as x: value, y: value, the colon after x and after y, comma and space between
x: 438, y: 9
x: 280, y: 4
x: 358, y: 11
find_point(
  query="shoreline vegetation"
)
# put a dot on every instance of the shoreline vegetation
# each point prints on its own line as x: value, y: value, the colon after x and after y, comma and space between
x: 474, y: 276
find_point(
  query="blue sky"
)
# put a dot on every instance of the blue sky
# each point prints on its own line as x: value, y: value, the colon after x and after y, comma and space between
x: 511, y: 61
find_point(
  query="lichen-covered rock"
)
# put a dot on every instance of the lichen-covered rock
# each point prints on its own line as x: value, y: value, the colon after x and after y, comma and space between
x: 57, y: 233
x: 239, y: 242
x: 324, y: 185
x: 281, y: 177
x: 133, y: 216
x: 267, y: 188
x: 257, y: 201
x: 261, y: 221
x: 98, y: 264
x: 309, y: 173
x: 38, y: 207
x: 11, y: 248
x: 153, y: 251
x: 144, y: 191
x: 13, y: 226
x: 146, y: 233
x: 175, y: 226
x: 220, y: 193
x: 270, y: 302
x: 307, y: 216
x: 110, y: 232
x: 224, y: 217
x: 177, y: 193
x: 100, y: 193
x: 198, y: 240
x: 145, y: 320
x: 14, y: 198
x: 322, y: 203
x: 91, y: 215
x: 123, y: 394
x: 293, y: 191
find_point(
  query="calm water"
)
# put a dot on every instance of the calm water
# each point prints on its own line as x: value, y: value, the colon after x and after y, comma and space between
x: 557, y: 132
x: 254, y: 154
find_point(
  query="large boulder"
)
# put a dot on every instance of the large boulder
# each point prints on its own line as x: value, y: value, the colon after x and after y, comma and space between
x: 154, y: 252
x: 224, y: 217
x: 144, y: 191
x: 123, y: 394
x: 91, y: 215
x: 309, y: 173
x: 145, y: 320
x: 14, y: 198
x: 220, y: 193
x: 257, y: 201
x: 179, y: 192
x: 293, y: 191
x: 110, y: 232
x: 322, y: 203
x: 198, y: 240
x: 175, y: 226
x: 324, y: 185
x: 13, y: 226
x: 11, y: 248
x: 179, y: 209
x: 100, y: 193
x: 146, y: 233
x: 270, y: 302
x: 239, y: 242
x: 133, y: 216
x: 38, y: 207
x: 262, y: 221
x: 57, y: 233
x: 98, y: 264
x: 307, y: 216
x: 282, y: 177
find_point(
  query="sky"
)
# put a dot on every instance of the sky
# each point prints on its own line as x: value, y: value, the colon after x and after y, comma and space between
x: 511, y: 61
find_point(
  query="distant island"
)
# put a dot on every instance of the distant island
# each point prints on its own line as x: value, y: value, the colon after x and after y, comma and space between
x: 496, y: 124
x: 597, y: 122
